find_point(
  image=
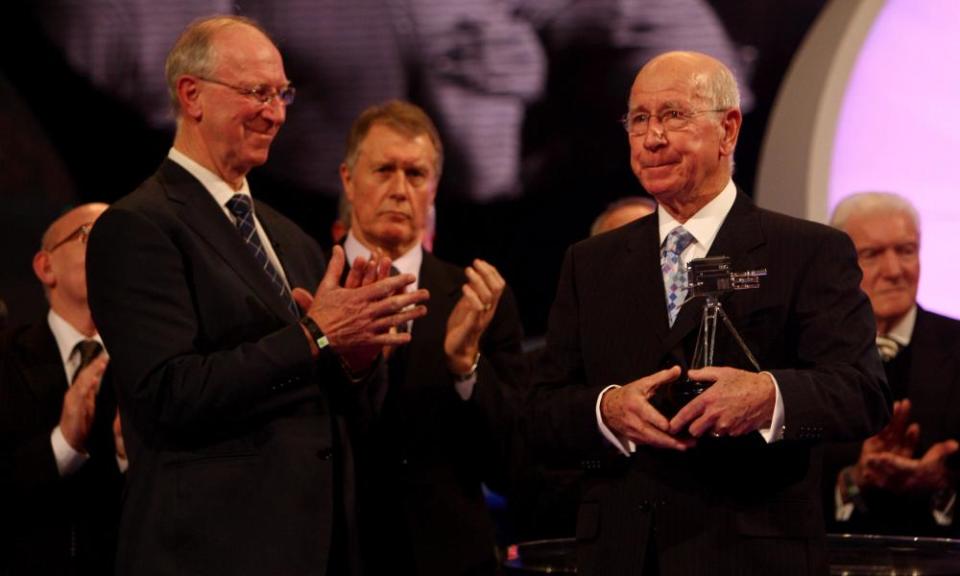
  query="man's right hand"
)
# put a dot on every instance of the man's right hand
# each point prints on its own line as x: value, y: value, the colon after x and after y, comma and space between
x: 79, y: 404
x: 357, y: 317
x: 627, y: 411
x: 887, y: 459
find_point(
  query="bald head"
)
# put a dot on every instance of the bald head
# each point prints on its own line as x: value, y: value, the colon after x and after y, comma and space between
x: 709, y: 78
x: 622, y: 212
x: 69, y: 222
x: 683, y: 122
x: 195, y: 51
x: 60, y: 264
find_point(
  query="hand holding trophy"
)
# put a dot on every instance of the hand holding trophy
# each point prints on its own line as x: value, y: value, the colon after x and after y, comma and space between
x: 709, y: 278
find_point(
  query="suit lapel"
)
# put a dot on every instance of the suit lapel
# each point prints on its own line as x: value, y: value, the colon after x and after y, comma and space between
x: 202, y: 214
x: 279, y: 240
x: 430, y: 330
x: 643, y: 279
x: 930, y: 363
x: 41, y: 365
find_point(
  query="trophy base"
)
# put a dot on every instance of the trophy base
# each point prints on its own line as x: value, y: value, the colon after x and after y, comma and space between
x: 680, y: 393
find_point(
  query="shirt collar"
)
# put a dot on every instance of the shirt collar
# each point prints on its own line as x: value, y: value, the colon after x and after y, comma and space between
x: 409, y: 263
x: 902, y: 331
x: 66, y: 335
x: 215, y: 185
x: 705, y: 224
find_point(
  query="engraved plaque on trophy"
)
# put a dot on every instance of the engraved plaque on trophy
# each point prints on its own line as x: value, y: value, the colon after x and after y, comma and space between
x: 710, y: 278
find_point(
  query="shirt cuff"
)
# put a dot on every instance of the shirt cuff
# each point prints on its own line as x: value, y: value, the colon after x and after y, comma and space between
x: 775, y: 432
x: 465, y: 387
x: 625, y: 445
x: 843, y: 510
x: 942, y: 506
x: 68, y: 459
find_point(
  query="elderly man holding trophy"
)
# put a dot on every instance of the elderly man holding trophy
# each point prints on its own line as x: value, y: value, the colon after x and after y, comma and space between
x: 702, y: 445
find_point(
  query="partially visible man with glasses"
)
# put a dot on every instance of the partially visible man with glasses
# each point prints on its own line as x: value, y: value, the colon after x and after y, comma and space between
x: 60, y: 478
x: 232, y: 389
x: 729, y: 482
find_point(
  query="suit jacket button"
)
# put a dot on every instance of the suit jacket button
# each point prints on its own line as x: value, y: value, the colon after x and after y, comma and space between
x: 324, y: 453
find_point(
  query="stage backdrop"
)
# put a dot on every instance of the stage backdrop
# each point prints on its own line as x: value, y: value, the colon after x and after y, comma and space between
x: 871, y: 104
x: 527, y: 94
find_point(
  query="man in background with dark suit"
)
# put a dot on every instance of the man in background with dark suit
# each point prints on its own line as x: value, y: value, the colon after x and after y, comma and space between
x: 730, y: 483
x: 61, y: 478
x: 229, y: 369
x: 440, y: 424
x: 899, y: 481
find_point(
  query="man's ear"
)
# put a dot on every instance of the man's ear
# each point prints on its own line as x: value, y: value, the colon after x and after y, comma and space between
x: 730, y: 131
x: 43, y: 269
x: 188, y: 94
x: 346, y: 180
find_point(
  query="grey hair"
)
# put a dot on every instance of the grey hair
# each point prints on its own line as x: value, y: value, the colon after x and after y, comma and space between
x: 194, y: 52
x: 719, y: 88
x: 863, y: 203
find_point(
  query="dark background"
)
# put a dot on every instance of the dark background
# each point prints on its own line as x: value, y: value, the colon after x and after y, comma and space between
x: 65, y: 141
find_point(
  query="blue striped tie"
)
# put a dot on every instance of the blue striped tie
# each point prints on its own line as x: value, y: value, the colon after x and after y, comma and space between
x: 240, y: 206
x: 674, y: 273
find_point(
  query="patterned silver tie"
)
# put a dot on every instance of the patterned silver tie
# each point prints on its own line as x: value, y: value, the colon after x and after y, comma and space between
x: 674, y: 274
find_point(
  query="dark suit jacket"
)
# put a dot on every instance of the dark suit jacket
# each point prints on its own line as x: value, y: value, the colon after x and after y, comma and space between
x: 425, y: 451
x: 237, y: 465
x: 730, y: 505
x: 928, y: 372
x: 52, y: 524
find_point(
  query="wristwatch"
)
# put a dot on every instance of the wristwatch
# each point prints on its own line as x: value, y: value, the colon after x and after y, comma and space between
x: 470, y: 373
x: 315, y: 332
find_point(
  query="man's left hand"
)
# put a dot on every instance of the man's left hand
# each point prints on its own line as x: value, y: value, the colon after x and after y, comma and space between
x: 472, y: 315
x: 737, y: 403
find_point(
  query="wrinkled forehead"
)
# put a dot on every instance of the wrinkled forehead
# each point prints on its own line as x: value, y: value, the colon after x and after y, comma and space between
x: 240, y: 49
x: 386, y: 140
x: 72, y: 220
x: 881, y: 228
x: 667, y: 83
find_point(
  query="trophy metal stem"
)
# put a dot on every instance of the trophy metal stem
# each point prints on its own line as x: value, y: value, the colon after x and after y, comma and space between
x: 706, y: 342
x: 703, y: 353
x: 709, y: 278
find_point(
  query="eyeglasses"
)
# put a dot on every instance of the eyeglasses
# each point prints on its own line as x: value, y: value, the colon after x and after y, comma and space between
x: 262, y: 94
x: 81, y: 233
x: 670, y: 120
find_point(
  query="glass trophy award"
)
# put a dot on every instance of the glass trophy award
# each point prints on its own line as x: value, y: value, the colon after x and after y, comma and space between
x: 710, y: 278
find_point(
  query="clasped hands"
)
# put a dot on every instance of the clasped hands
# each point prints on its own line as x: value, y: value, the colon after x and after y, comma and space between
x: 358, y: 316
x: 887, y: 460
x: 737, y: 403
x: 80, y: 403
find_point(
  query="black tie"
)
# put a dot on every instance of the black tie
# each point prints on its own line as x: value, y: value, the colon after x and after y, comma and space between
x: 240, y: 206
x: 88, y: 349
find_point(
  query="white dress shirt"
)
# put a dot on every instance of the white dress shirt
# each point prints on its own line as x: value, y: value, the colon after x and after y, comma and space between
x: 222, y: 193
x: 703, y: 226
